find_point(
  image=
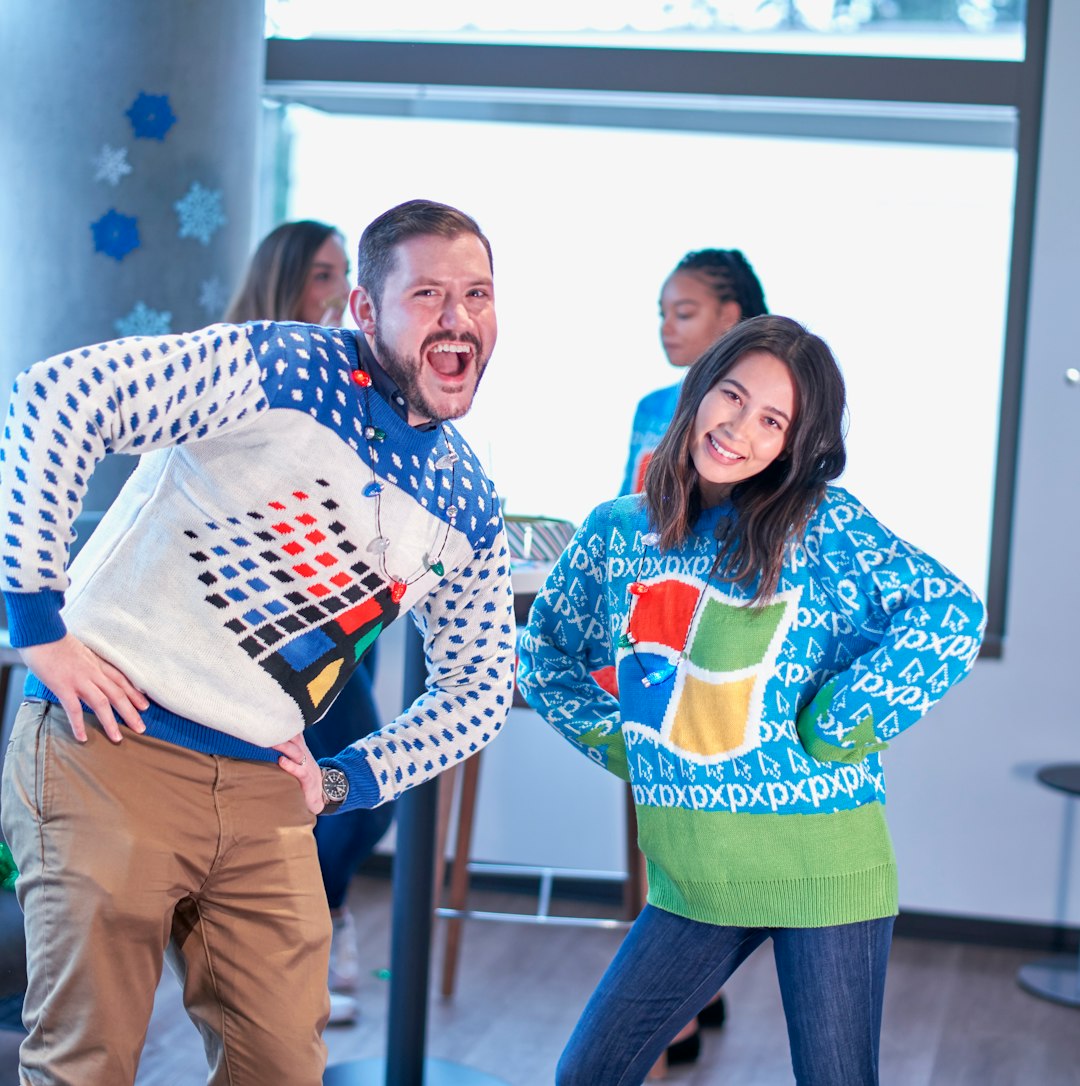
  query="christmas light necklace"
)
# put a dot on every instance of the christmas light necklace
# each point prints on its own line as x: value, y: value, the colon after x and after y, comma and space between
x: 381, y: 543
x: 637, y: 587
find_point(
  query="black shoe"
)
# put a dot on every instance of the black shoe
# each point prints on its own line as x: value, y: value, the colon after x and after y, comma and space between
x: 714, y: 1015
x: 685, y: 1051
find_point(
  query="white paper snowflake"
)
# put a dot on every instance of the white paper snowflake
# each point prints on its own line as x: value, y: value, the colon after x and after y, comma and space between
x: 212, y: 297
x: 200, y: 213
x: 111, y: 164
x: 144, y: 321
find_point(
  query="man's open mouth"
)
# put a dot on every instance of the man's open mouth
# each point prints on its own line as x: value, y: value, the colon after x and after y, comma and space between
x: 450, y: 359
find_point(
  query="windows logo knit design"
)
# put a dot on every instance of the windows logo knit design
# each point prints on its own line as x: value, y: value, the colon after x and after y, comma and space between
x: 710, y: 710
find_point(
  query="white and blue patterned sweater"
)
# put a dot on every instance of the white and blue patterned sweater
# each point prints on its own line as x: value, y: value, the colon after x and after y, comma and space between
x: 234, y: 578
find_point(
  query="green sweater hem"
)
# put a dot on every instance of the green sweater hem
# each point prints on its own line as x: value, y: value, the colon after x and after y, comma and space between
x: 785, y: 871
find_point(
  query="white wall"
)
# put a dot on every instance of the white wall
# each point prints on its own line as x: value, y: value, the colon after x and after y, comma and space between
x: 975, y: 833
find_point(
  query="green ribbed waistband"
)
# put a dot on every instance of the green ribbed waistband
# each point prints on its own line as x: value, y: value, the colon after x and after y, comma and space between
x: 767, y: 870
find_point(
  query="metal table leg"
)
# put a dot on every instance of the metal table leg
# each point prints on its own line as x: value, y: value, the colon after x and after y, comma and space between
x: 410, y: 940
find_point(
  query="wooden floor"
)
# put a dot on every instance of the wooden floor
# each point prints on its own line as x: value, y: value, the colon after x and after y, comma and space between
x: 954, y: 1015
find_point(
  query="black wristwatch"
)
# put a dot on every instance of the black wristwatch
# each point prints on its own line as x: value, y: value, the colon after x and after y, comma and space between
x: 335, y: 789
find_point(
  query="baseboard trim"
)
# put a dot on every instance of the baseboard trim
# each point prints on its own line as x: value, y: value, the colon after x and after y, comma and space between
x: 910, y: 924
x: 981, y: 931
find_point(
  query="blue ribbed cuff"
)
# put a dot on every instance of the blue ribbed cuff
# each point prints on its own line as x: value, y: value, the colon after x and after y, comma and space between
x: 363, y: 789
x: 34, y: 617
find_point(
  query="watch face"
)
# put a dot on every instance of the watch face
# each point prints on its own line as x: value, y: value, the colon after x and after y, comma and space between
x: 335, y: 785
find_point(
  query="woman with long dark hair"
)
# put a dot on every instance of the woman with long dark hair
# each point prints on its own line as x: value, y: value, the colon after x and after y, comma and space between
x: 298, y: 272
x: 707, y: 293
x: 769, y: 636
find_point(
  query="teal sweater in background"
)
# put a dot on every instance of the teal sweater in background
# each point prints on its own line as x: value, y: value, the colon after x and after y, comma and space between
x: 651, y: 419
x: 751, y: 735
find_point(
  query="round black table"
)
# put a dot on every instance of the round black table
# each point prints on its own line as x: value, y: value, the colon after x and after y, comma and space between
x: 410, y: 936
x: 1057, y: 978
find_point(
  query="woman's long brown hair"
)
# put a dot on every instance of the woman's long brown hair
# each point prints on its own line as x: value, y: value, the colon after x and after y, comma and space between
x: 277, y: 273
x: 774, y: 505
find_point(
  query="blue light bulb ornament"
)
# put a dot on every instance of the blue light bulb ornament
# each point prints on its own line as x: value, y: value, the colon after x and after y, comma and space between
x: 660, y: 675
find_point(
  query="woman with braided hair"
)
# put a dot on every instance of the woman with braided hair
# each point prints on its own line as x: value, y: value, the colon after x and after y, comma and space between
x: 708, y: 292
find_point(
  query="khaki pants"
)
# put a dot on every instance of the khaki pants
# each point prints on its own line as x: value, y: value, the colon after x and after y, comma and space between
x: 127, y: 851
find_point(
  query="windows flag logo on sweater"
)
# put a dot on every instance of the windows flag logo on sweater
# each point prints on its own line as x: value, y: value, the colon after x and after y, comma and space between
x: 710, y: 709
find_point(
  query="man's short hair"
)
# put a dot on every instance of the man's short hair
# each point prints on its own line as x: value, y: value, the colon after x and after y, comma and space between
x: 412, y: 219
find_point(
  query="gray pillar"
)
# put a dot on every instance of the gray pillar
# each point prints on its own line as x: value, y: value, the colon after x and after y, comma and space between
x: 71, y: 73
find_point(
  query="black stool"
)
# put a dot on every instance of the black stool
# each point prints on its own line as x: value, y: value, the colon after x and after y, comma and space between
x: 1057, y: 978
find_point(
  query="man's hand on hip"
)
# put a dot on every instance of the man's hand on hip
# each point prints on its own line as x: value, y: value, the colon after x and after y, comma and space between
x: 76, y: 674
x: 297, y: 761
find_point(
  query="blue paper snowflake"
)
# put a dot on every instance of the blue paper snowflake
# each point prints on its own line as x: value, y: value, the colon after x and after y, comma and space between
x: 212, y: 297
x: 151, y: 116
x: 144, y: 321
x: 200, y: 213
x: 115, y: 235
x: 111, y: 165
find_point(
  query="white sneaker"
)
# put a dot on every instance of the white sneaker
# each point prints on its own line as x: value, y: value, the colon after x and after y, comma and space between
x: 344, y: 1010
x: 344, y: 955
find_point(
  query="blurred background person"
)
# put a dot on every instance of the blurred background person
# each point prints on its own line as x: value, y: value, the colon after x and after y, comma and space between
x: 299, y: 272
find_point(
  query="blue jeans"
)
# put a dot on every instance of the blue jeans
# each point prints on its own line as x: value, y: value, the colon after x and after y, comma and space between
x: 832, y: 981
x: 345, y: 840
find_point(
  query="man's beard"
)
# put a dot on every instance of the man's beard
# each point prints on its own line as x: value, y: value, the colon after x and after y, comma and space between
x: 405, y: 373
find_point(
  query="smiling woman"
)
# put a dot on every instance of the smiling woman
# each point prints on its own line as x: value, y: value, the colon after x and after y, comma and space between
x: 760, y: 415
x: 742, y: 558
x: 741, y: 425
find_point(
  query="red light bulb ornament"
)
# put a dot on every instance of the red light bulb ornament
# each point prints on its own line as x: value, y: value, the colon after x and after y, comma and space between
x: 666, y: 671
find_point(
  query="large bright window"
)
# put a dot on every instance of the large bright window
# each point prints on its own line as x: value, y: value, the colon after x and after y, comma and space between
x: 896, y: 254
